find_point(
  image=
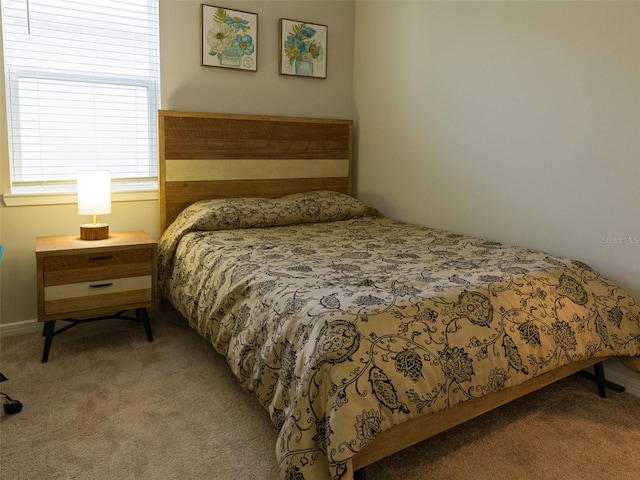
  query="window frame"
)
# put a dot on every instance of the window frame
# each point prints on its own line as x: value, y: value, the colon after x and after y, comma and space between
x: 15, y: 146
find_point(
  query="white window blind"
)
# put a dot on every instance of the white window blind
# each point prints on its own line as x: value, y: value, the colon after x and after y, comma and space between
x: 82, y: 80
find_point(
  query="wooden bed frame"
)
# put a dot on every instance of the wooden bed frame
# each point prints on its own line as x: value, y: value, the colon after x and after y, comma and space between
x: 208, y: 155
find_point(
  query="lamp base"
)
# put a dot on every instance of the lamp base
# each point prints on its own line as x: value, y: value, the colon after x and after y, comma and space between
x: 90, y: 231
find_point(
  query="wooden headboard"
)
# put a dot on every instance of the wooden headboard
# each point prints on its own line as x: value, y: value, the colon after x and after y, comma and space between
x: 213, y: 155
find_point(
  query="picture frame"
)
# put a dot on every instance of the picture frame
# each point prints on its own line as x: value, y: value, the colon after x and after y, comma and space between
x: 303, y: 49
x: 229, y: 38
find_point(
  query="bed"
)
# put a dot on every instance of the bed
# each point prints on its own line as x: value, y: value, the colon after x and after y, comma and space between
x: 360, y: 335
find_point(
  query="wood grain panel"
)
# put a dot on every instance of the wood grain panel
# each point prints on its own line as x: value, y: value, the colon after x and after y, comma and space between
x: 75, y: 268
x: 256, y: 169
x: 97, y: 273
x: 266, y: 137
x: 268, y: 149
x: 66, y: 244
x: 96, y: 288
x: 99, y: 304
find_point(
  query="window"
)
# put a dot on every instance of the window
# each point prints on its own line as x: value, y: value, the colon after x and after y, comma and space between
x: 82, y: 80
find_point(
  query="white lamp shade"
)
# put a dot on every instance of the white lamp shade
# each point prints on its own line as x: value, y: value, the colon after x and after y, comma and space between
x: 94, y: 192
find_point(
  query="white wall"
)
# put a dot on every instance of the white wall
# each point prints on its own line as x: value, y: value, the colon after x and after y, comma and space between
x: 188, y: 86
x: 513, y: 121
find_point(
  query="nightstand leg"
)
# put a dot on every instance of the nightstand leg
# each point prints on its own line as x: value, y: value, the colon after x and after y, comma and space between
x: 49, y: 328
x: 141, y: 314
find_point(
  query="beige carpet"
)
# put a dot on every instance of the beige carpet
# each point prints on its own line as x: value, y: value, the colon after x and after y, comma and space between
x: 109, y: 405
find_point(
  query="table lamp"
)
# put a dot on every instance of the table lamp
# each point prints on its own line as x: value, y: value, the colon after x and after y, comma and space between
x: 94, y: 198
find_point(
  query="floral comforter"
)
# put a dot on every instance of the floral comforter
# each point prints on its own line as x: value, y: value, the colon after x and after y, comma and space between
x: 343, y: 323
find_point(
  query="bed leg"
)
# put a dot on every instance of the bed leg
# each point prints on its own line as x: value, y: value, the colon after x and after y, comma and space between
x: 352, y: 474
x: 600, y: 380
x: 360, y: 474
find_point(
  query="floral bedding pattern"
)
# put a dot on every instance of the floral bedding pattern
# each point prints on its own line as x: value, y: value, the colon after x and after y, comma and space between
x: 343, y: 323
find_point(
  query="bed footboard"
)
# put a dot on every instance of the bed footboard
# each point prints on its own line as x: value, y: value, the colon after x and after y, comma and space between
x: 421, y: 428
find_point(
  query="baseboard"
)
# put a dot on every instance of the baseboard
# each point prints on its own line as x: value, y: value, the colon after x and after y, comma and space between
x: 16, y: 328
x: 616, y: 372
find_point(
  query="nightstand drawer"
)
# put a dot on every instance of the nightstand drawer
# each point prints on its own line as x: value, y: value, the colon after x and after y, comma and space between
x: 67, y: 269
x: 104, y: 293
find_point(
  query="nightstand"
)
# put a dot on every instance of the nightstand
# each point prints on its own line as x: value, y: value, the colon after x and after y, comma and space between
x: 86, y: 280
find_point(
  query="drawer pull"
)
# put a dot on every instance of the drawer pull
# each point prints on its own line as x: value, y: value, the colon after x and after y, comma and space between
x: 100, y: 285
x: 105, y: 257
